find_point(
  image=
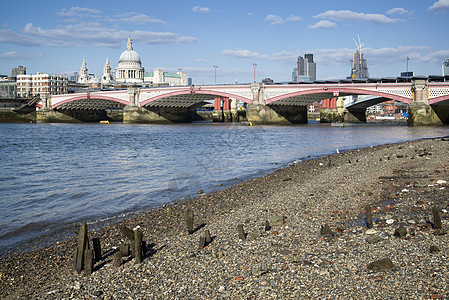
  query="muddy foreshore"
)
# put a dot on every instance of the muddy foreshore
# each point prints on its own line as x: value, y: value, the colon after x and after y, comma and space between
x: 402, y: 182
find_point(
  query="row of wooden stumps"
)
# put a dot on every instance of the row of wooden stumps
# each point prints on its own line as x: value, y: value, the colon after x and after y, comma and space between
x: 326, y: 231
x: 85, y: 256
x: 206, y: 238
x: 435, y: 212
x: 138, y: 246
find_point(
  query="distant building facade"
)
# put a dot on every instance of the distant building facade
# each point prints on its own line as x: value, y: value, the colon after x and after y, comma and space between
x: 42, y: 84
x: 305, y: 70
x: 8, y: 88
x: 129, y: 71
x: 107, y: 77
x: 159, y: 77
x: 20, y: 70
x: 446, y: 67
x: 84, y: 77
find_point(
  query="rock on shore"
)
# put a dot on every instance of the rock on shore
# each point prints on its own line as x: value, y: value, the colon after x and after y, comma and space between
x: 290, y: 258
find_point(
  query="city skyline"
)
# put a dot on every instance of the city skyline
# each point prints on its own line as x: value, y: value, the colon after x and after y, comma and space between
x: 53, y: 37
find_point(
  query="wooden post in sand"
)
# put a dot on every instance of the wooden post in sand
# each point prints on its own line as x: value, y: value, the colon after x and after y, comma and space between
x: 189, y: 219
x: 241, y: 232
x: 88, y: 261
x: 369, y: 218
x: 436, y: 218
x: 138, y: 252
x: 83, y: 245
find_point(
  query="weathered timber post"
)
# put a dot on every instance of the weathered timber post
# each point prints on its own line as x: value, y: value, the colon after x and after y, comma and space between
x: 325, y: 230
x: 124, y: 249
x: 128, y: 233
x: 189, y: 219
x: 436, y: 218
x: 138, y: 252
x: 369, y: 218
x: 207, y: 236
x: 241, y: 232
x: 88, y: 261
x: 202, y: 242
x: 83, y: 244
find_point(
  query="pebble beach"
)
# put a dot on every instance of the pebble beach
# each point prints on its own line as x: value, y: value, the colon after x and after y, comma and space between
x: 305, y: 237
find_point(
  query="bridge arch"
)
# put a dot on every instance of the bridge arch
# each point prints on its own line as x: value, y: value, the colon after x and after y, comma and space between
x: 87, y: 97
x: 328, y: 93
x: 194, y: 92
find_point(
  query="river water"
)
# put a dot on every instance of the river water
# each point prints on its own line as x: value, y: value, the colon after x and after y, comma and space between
x: 54, y: 176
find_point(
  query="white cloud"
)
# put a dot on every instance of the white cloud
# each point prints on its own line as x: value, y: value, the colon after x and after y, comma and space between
x: 199, y: 9
x: 285, y: 57
x: 277, y: 20
x: 397, y: 10
x: 342, y: 15
x: 148, y: 37
x: 93, y: 34
x: 439, y: 6
x: 11, y: 55
x: 78, y: 12
x: 323, y: 24
x: 12, y: 37
x: 142, y: 19
x: 274, y: 19
x: 242, y: 53
x: 294, y: 18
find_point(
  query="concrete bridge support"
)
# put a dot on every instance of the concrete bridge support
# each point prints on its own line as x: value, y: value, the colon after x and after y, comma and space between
x: 217, y: 113
x: 420, y: 112
x: 156, y: 115
x: 259, y: 113
x: 354, y: 115
x: 225, y: 110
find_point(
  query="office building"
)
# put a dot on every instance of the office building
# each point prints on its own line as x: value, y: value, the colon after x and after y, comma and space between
x: 41, y: 84
x: 305, y: 70
x: 446, y: 67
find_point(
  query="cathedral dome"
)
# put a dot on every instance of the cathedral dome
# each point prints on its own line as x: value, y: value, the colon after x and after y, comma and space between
x: 129, y: 69
x: 129, y: 56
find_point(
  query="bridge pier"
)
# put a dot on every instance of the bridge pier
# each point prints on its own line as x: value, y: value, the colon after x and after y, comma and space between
x: 276, y: 114
x: 225, y: 110
x: 420, y: 112
x: 354, y: 115
x: 156, y: 115
x: 258, y: 112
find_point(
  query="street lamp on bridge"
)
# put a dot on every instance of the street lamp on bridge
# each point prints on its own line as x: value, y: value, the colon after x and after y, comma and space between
x: 254, y: 64
x: 215, y: 67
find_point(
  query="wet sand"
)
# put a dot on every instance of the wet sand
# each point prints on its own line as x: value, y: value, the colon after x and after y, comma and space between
x: 402, y: 183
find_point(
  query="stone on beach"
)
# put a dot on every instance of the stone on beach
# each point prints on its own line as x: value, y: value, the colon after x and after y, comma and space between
x: 384, y: 264
x: 277, y: 220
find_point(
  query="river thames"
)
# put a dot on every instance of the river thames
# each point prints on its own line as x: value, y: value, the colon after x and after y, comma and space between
x: 54, y: 176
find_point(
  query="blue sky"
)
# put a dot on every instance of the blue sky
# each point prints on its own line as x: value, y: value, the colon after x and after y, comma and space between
x: 54, y: 36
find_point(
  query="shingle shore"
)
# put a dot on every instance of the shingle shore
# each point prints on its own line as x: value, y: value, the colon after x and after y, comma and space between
x: 402, y: 183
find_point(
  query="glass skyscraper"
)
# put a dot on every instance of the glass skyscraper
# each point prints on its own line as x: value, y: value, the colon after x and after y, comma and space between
x: 305, y: 70
x: 446, y: 67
